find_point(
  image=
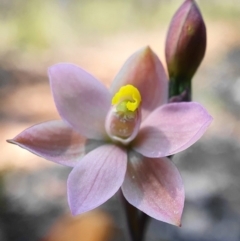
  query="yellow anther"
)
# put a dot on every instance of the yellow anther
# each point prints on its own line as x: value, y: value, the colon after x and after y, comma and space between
x: 129, y: 96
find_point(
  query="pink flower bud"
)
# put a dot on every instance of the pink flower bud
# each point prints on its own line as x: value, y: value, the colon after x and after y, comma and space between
x: 186, y: 42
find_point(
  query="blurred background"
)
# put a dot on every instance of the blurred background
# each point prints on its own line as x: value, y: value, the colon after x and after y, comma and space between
x: 100, y: 35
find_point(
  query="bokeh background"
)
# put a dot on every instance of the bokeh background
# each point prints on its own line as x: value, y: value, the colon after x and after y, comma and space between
x: 100, y: 35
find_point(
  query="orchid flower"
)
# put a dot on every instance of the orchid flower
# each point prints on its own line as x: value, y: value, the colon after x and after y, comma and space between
x: 119, y: 138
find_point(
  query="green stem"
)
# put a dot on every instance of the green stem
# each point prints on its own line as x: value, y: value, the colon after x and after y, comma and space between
x: 180, y: 87
x: 137, y: 221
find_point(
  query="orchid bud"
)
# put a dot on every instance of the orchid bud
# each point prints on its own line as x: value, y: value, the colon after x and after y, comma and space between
x: 185, y: 44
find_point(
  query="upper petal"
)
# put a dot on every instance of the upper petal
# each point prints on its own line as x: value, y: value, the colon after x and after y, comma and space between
x: 155, y: 187
x: 171, y: 128
x: 81, y: 99
x: 55, y: 141
x: 96, y: 178
x: 144, y: 71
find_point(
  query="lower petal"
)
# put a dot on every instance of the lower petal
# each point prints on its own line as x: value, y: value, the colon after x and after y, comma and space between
x: 96, y: 178
x: 155, y: 187
x: 55, y: 141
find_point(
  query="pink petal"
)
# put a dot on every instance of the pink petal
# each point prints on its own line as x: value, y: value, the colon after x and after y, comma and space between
x: 54, y: 141
x: 144, y: 71
x: 81, y: 99
x: 172, y: 128
x: 96, y: 178
x: 155, y: 187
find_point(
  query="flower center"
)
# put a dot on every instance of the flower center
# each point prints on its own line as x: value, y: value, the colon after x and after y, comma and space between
x: 124, y: 118
x: 129, y: 98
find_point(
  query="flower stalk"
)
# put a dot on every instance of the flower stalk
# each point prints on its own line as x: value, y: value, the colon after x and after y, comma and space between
x: 137, y: 221
x: 180, y: 90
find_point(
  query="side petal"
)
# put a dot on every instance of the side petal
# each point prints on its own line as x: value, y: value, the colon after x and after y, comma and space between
x: 155, y: 187
x: 81, y: 99
x: 55, y: 141
x: 144, y: 71
x: 96, y: 178
x: 172, y: 128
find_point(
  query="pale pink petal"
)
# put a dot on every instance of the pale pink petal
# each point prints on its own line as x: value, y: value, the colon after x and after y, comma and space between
x: 171, y: 128
x: 81, y: 99
x: 155, y: 187
x: 96, y: 178
x: 55, y: 141
x: 144, y: 71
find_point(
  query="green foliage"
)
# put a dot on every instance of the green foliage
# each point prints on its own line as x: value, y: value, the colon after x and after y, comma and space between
x: 40, y: 24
